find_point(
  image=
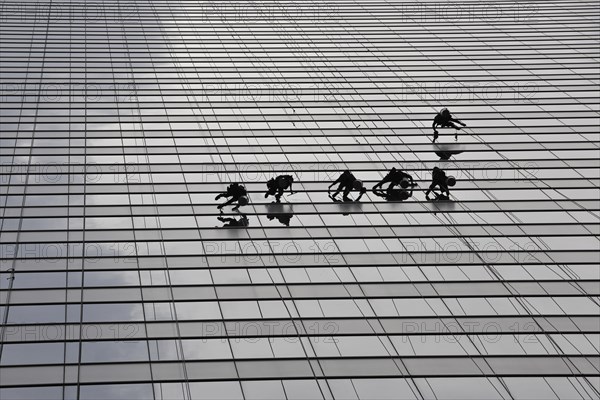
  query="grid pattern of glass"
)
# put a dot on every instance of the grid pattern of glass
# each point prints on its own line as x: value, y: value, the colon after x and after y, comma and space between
x: 121, y: 121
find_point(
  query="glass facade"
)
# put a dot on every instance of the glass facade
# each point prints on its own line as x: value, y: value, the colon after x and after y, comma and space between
x: 121, y: 121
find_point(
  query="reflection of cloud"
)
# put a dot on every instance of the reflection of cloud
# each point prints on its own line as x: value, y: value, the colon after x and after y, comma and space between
x: 37, y: 314
x: 194, y: 310
x: 163, y: 350
x: 206, y: 349
x: 46, y: 200
x: 104, y: 199
x: 216, y: 391
x: 39, y: 224
x: 32, y: 353
x: 112, y: 312
x: 264, y: 390
x: 112, y: 351
x: 116, y: 392
x: 108, y: 223
x: 32, y: 393
x: 111, y: 278
x: 36, y: 280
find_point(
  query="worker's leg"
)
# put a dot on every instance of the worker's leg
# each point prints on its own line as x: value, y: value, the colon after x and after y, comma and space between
x: 278, y: 195
x: 347, y: 190
x: 430, y: 189
x: 338, y: 190
x: 445, y: 189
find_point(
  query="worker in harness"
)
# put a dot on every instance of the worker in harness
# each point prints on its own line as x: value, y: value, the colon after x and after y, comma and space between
x: 444, y: 119
x: 276, y: 186
x: 440, y: 180
x: 237, y: 193
x: 347, y: 183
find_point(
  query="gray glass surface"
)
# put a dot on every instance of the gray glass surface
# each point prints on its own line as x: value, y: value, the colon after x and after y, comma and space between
x: 122, y: 121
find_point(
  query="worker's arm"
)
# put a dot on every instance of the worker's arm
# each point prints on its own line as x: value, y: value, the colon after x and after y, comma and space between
x: 458, y: 121
x: 446, y: 189
x: 378, y: 185
x: 228, y: 202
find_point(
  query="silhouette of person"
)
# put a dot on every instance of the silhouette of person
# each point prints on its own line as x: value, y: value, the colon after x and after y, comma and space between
x: 441, y: 180
x: 395, y: 194
x: 277, y: 185
x: 234, y: 223
x: 284, y: 218
x: 237, y: 193
x: 395, y: 178
x: 444, y: 119
x: 347, y: 182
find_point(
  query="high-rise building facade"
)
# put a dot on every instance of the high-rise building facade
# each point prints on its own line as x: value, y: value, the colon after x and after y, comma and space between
x: 122, y: 120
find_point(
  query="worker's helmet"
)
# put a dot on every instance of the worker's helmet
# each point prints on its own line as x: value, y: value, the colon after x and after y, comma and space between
x: 357, y: 184
x: 451, y: 181
x: 243, y: 201
x: 444, y: 111
x: 404, y: 183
